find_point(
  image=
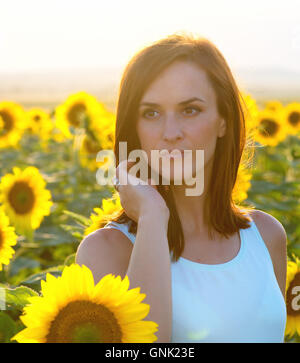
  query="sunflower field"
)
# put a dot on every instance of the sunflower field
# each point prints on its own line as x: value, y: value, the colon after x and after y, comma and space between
x: 50, y: 200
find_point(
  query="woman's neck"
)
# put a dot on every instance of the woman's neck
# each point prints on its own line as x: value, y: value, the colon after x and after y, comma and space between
x: 190, y: 209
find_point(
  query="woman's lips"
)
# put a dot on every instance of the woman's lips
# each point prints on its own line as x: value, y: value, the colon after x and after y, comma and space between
x: 171, y: 153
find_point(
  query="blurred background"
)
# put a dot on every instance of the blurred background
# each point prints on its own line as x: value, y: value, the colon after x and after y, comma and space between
x: 52, y: 48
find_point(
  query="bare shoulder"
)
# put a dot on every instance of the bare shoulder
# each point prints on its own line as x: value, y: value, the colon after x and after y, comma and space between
x: 275, y: 238
x: 104, y: 251
x: 270, y: 228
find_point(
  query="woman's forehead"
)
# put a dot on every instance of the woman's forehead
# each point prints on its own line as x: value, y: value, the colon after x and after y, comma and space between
x: 178, y: 82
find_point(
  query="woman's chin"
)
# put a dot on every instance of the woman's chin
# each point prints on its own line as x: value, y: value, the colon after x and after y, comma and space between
x: 171, y: 177
x: 175, y: 178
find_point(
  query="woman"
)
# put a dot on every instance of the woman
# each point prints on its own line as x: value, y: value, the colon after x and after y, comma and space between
x: 212, y: 272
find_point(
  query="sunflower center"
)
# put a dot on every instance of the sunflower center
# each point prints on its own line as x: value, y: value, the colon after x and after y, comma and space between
x: 8, y: 121
x: 21, y: 197
x: 294, y: 118
x: 293, y: 296
x: 91, y: 146
x: 36, y: 118
x: 86, y: 322
x: 268, y: 127
x: 76, y: 114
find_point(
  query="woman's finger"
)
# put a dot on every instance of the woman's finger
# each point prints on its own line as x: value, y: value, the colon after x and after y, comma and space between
x: 122, y: 171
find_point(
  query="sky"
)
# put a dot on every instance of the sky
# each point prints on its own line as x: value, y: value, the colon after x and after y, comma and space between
x: 41, y: 35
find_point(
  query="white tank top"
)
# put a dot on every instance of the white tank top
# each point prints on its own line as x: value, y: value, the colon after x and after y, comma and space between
x: 236, y: 301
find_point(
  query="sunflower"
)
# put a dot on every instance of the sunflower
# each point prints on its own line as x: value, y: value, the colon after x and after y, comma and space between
x: 270, y: 128
x: 250, y: 110
x: 106, y: 128
x: 99, y: 136
x: 293, y: 298
x: 73, y: 310
x: 39, y: 122
x: 12, y: 125
x: 57, y: 135
x: 110, y: 208
x: 89, y: 148
x: 242, y: 184
x: 102, y: 126
x: 25, y: 199
x: 292, y: 117
x: 8, y: 238
x: 78, y: 111
x: 274, y: 105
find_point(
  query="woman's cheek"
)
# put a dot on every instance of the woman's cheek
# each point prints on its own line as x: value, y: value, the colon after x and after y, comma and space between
x: 205, y: 139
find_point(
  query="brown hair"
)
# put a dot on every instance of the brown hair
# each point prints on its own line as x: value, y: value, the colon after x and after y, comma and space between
x: 220, y: 213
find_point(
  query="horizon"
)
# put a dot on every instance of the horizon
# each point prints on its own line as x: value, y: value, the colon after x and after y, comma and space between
x: 41, y: 88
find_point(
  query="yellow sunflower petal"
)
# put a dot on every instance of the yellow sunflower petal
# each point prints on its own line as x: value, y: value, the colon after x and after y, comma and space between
x: 8, y: 238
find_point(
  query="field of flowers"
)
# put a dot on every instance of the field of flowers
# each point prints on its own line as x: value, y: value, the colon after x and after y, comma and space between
x: 50, y: 199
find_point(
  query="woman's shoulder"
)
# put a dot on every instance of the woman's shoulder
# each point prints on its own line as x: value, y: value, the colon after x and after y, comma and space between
x: 112, y: 234
x: 106, y: 250
x: 275, y: 238
x: 104, y: 241
x: 269, y: 227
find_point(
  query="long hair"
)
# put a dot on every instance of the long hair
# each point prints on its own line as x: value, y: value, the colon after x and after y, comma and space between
x: 220, y: 212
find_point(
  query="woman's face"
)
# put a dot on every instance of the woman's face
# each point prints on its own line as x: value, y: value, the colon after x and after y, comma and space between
x: 179, y: 111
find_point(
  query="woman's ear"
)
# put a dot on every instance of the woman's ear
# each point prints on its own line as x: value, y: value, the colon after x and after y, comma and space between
x: 222, y: 128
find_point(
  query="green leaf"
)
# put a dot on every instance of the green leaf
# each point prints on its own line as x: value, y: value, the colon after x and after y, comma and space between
x: 21, y: 263
x: 70, y: 260
x: 34, y: 281
x: 55, y: 236
x: 56, y: 242
x: 77, y: 235
x: 78, y: 217
x: 8, y: 328
x: 17, y: 298
x: 75, y: 231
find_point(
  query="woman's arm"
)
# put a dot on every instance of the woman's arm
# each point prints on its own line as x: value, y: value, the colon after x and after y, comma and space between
x: 146, y: 263
x: 149, y: 265
x: 275, y: 239
x: 150, y: 268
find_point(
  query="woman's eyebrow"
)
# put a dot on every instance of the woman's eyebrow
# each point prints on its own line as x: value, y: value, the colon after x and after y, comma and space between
x: 180, y: 103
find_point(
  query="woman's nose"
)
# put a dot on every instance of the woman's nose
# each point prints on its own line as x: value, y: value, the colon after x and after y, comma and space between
x: 172, y: 132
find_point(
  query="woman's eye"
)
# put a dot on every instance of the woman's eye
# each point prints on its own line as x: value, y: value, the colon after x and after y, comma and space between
x: 192, y: 108
x: 151, y: 113
x: 147, y: 112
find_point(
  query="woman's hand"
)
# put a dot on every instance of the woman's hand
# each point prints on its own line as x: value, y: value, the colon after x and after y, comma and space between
x: 138, y: 197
